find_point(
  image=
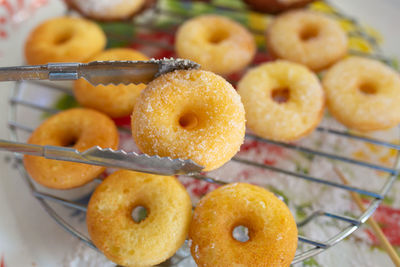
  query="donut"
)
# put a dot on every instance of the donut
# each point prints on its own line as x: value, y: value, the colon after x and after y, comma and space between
x: 284, y: 101
x: 113, y: 100
x: 77, y: 128
x: 109, y: 10
x: 218, y: 44
x: 64, y: 39
x: 306, y: 37
x: 275, y: 6
x: 138, y: 243
x: 272, y: 230
x: 363, y: 94
x: 190, y: 114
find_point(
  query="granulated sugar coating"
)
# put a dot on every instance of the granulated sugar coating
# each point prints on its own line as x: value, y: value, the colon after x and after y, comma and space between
x: 109, y: 9
x: 363, y: 94
x: 307, y: 37
x: 218, y: 44
x: 190, y: 115
x: 296, y: 114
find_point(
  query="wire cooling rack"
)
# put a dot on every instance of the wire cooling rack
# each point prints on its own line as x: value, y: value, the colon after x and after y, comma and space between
x: 23, y: 102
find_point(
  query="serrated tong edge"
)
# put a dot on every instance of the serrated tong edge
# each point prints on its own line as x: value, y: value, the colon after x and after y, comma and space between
x: 107, y: 157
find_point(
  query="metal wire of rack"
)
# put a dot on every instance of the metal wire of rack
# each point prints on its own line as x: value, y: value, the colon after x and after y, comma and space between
x: 18, y: 101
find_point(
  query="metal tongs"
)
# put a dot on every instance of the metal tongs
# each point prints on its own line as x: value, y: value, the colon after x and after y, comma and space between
x: 102, y: 72
x: 98, y: 72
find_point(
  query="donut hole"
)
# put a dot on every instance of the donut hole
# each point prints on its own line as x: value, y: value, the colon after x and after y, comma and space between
x: 63, y: 37
x: 69, y: 141
x: 189, y: 121
x: 241, y: 233
x: 309, y: 32
x: 139, y: 213
x: 218, y: 36
x: 280, y: 95
x: 368, y: 88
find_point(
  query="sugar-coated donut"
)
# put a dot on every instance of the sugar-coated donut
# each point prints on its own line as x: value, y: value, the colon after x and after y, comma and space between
x: 283, y: 100
x: 150, y: 241
x: 272, y: 230
x: 218, y: 44
x: 363, y: 94
x: 64, y: 39
x: 307, y: 37
x: 275, y: 6
x: 190, y: 114
x: 114, y: 100
x: 78, y: 128
x: 108, y: 10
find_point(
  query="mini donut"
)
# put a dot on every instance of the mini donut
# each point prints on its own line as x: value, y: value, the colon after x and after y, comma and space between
x: 272, y: 230
x: 218, y: 44
x: 77, y: 128
x: 190, y: 114
x: 109, y: 10
x: 275, y: 6
x: 150, y: 241
x: 114, y: 100
x: 306, y: 37
x: 284, y: 101
x: 64, y: 39
x: 363, y: 94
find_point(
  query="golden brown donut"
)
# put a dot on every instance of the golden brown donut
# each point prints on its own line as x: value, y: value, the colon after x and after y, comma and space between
x: 190, y: 114
x: 283, y: 100
x: 307, y: 37
x: 271, y: 228
x: 150, y: 241
x: 363, y: 94
x: 114, y: 100
x: 64, y: 39
x: 78, y: 128
x: 218, y: 44
x: 275, y: 6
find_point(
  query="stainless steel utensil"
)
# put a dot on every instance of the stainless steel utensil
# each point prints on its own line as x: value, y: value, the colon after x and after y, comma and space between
x: 98, y: 72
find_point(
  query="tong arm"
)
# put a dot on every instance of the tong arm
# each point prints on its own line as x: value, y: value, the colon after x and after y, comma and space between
x: 51, y: 71
x: 107, y: 157
x: 98, y: 72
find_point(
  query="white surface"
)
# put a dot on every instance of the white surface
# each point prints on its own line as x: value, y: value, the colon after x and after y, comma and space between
x: 22, y: 222
x: 21, y: 216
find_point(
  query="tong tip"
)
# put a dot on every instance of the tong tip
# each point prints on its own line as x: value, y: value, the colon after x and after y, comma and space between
x: 172, y: 64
